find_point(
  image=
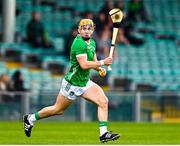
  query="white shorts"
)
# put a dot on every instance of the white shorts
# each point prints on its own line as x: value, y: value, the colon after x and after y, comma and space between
x: 72, y: 92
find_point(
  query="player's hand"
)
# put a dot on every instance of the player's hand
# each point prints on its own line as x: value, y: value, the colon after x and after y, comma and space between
x: 102, y: 72
x: 108, y: 61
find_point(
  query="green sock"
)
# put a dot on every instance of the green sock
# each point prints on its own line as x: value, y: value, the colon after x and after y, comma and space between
x: 37, y: 116
x: 103, y: 123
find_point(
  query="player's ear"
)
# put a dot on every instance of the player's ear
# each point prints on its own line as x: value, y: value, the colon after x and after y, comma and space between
x: 78, y: 30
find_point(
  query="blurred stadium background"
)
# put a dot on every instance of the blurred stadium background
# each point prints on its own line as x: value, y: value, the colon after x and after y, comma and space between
x: 144, y: 84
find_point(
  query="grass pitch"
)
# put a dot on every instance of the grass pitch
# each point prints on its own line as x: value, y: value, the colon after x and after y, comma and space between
x: 88, y: 133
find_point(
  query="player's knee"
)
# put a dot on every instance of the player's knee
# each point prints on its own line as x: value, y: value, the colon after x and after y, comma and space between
x: 103, y: 103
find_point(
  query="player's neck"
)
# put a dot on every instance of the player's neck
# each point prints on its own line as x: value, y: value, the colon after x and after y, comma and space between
x: 86, y: 38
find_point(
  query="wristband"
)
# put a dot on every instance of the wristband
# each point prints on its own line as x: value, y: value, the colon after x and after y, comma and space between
x: 101, y: 62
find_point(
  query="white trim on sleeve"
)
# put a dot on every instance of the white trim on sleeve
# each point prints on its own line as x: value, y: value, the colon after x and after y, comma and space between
x: 81, y: 55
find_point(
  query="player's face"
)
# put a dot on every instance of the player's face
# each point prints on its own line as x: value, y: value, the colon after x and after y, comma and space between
x: 86, y: 31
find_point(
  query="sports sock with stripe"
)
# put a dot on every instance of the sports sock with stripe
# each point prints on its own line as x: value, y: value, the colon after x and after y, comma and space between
x: 34, y: 117
x: 103, y: 127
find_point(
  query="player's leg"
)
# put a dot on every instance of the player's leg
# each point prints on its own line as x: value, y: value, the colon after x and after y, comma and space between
x: 96, y: 95
x: 58, y: 108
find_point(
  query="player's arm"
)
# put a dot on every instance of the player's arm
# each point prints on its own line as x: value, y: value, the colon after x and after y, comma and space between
x: 95, y: 59
x: 101, y: 71
x: 85, y: 64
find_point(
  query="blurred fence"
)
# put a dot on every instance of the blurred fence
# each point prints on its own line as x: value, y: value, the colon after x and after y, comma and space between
x: 123, y: 106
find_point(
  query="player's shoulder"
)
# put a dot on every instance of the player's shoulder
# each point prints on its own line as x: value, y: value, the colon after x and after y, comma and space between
x: 78, y: 41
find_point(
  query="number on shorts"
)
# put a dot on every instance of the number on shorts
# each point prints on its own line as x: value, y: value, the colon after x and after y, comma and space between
x: 67, y: 87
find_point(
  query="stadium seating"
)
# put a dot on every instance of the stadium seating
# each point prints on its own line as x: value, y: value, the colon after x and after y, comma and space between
x: 156, y: 62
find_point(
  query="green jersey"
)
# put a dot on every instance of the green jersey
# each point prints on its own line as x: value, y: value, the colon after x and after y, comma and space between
x: 76, y: 75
